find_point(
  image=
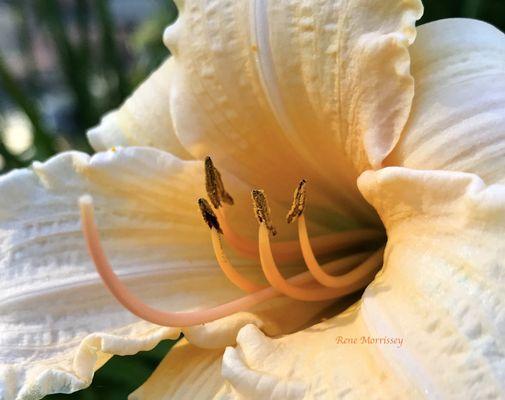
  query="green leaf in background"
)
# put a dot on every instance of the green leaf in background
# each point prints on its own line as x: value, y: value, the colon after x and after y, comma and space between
x: 120, y: 376
x: 43, y: 141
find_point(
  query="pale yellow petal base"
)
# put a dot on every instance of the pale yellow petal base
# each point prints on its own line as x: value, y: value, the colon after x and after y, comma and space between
x: 437, y: 305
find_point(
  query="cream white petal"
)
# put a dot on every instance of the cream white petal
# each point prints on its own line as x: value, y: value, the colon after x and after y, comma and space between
x: 291, y: 89
x: 144, y: 118
x: 284, y: 90
x: 440, y: 292
x: 192, y: 369
x: 57, y: 321
x: 187, y: 372
x: 282, y: 315
x: 458, y: 120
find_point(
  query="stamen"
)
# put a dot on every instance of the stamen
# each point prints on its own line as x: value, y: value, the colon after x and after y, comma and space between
x: 284, y: 251
x: 347, y: 283
x: 216, y: 192
x: 164, y: 318
x: 289, y: 250
x: 298, y: 202
x: 228, y: 269
x: 277, y: 281
x: 342, y: 281
x: 247, y: 247
x: 214, y: 185
x: 226, y: 266
x: 208, y: 215
x: 262, y: 210
x: 350, y: 238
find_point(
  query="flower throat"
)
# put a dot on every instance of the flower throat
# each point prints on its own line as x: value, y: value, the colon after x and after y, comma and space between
x: 331, y: 280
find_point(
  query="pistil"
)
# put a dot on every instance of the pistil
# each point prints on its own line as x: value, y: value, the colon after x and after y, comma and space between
x: 174, y: 319
x: 317, y: 284
x: 135, y: 305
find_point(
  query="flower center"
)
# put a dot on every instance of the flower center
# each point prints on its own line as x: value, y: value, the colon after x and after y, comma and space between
x: 319, y: 283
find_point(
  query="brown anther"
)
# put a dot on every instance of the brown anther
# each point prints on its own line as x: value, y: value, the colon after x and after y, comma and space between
x: 262, y: 210
x: 225, y: 196
x: 214, y: 185
x: 208, y: 215
x: 298, y: 204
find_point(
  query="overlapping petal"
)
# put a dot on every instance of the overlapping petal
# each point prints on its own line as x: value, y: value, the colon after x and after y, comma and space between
x: 187, y: 372
x: 440, y: 291
x: 144, y: 119
x: 290, y: 89
x: 57, y: 321
x: 458, y: 120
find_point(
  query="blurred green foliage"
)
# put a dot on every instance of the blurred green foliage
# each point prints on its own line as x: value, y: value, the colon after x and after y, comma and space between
x: 82, y: 62
x: 120, y: 376
x: 90, y: 54
x: 492, y: 11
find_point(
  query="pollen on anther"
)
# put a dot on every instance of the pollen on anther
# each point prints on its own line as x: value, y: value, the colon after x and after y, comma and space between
x: 208, y: 215
x: 214, y: 185
x: 262, y: 210
x: 298, y: 204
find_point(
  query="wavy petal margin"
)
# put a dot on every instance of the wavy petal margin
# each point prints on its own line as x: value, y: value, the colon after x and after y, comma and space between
x: 458, y: 120
x: 58, y: 324
x: 431, y: 325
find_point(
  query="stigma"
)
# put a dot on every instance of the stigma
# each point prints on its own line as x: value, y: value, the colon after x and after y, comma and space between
x: 321, y: 282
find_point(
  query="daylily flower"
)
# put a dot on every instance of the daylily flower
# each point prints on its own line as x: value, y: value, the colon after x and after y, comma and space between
x: 390, y: 131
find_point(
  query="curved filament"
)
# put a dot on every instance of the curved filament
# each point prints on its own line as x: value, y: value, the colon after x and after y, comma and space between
x: 363, y: 271
x: 278, y: 282
x: 247, y: 247
x: 228, y: 269
x: 290, y: 250
x: 137, y: 306
x: 173, y: 319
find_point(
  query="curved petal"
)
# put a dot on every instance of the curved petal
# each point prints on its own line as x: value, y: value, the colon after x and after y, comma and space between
x: 282, y: 315
x: 187, y: 372
x: 294, y: 93
x: 144, y: 119
x: 458, y: 120
x: 277, y: 91
x: 431, y: 325
x: 57, y: 322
